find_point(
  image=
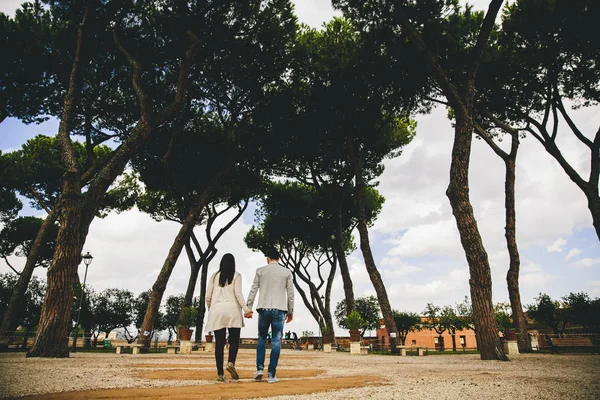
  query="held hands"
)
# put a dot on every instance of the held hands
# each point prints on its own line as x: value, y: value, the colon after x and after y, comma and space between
x: 288, y: 319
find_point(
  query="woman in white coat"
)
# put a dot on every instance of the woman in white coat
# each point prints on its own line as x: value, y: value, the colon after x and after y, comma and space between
x: 225, y: 304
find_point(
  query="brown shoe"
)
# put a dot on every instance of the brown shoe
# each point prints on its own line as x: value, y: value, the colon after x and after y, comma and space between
x: 231, y: 369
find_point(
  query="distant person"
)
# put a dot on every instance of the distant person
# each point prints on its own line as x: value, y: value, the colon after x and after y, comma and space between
x: 275, y: 305
x: 294, y: 336
x: 287, y: 335
x: 225, y: 302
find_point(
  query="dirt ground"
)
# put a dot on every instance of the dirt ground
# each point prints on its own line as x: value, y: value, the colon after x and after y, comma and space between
x: 303, y: 375
x: 242, y: 390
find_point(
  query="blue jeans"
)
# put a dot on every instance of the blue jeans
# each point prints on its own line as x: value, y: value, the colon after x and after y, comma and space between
x: 274, y: 319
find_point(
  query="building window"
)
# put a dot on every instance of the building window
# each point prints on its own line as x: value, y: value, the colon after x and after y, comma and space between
x: 435, y: 340
x: 463, y: 340
x: 414, y: 342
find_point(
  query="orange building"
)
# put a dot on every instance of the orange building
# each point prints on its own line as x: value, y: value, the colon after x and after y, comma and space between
x: 465, y: 339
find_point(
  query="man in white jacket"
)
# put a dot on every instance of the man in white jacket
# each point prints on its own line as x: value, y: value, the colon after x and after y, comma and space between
x: 275, y: 305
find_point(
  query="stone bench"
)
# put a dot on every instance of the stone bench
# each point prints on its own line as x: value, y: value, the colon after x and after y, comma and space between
x: 402, y: 350
x: 573, y: 342
x: 136, y: 348
x: 172, y: 349
x: 358, y: 348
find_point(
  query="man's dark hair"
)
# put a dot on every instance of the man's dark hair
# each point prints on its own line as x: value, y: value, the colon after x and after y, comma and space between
x: 272, y: 253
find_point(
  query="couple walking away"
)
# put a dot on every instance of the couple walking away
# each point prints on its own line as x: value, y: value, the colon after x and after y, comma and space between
x: 225, y: 303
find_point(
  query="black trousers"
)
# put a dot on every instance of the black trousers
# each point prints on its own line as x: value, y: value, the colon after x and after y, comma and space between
x: 234, y: 345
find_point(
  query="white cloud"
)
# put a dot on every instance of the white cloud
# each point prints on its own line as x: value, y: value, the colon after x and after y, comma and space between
x: 9, y: 7
x: 533, y: 278
x: 557, y: 246
x: 395, y: 268
x: 414, y: 295
x: 536, y: 280
x: 314, y: 12
x: 440, y: 238
x: 593, y: 288
x: 530, y: 268
x: 585, y: 262
x: 572, y: 253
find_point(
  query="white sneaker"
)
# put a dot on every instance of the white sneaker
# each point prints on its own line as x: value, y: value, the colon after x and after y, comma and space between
x: 258, y: 375
x: 272, y: 379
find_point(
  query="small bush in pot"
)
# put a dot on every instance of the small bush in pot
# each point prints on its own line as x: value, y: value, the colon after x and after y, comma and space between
x: 187, y: 319
x: 354, y: 322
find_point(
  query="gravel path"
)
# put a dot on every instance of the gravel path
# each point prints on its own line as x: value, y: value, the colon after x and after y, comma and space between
x: 530, y: 376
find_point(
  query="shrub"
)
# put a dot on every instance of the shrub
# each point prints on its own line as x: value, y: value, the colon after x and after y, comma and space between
x: 187, y: 318
x: 354, y: 321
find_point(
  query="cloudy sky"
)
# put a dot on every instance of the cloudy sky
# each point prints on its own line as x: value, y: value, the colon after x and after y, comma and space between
x: 415, y: 240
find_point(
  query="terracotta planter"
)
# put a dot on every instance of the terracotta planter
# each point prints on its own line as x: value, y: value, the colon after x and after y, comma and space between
x: 185, y: 334
x: 208, y: 338
x: 354, y: 335
x: 327, y: 339
x: 511, y: 335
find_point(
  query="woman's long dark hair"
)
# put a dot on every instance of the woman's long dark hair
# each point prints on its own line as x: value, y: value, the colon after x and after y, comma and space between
x: 226, y: 269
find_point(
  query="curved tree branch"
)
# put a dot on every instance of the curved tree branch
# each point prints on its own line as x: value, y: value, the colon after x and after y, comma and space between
x: 482, y: 38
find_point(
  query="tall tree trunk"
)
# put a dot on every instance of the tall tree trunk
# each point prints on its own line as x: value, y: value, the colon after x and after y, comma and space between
x: 548, y: 140
x: 329, y: 325
x: 591, y: 193
x: 365, y: 248
x: 453, y: 334
x: 594, y: 207
x: 55, y: 318
x: 488, y: 340
x: 194, y: 270
x: 87, y: 338
x: 318, y: 306
x: 327, y: 312
x: 402, y: 335
x: 461, y: 102
x: 205, y: 257
x: 202, y: 301
x: 338, y: 246
x: 290, y: 262
x: 160, y: 284
x: 9, y: 321
x: 78, y: 212
x: 512, y: 277
x: 292, y: 257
